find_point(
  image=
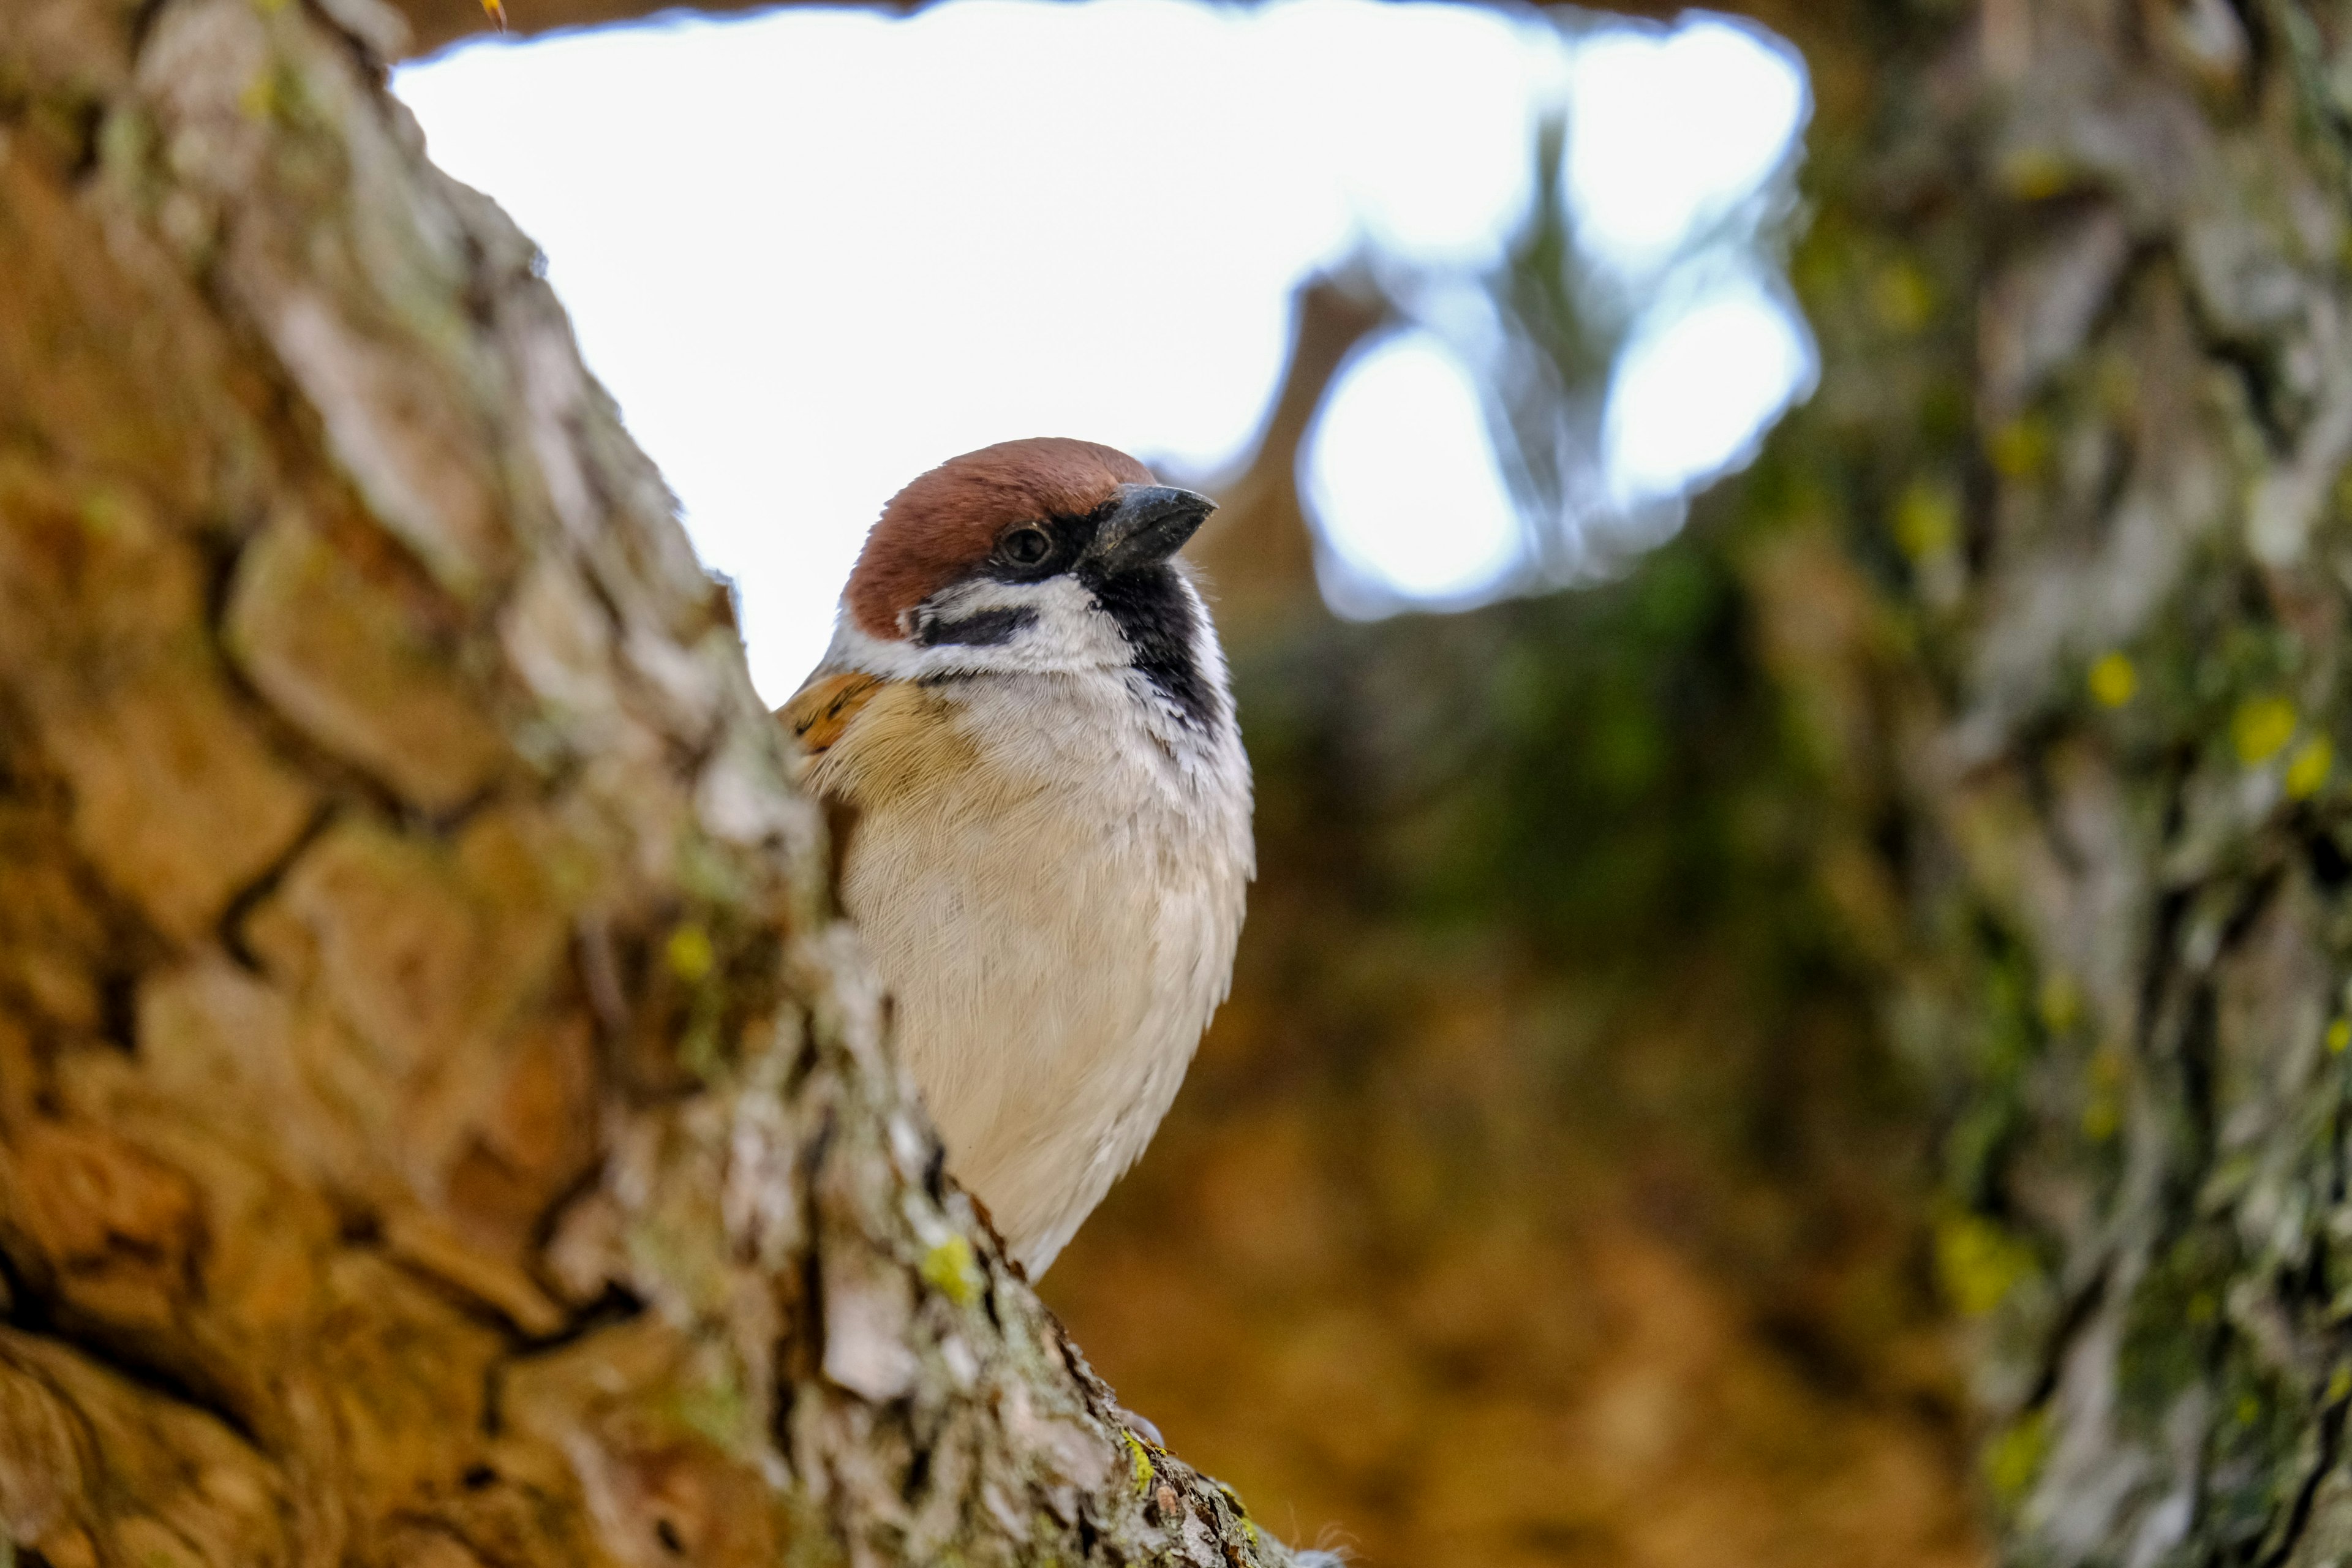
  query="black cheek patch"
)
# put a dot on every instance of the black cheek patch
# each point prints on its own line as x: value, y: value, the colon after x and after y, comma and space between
x: 986, y: 628
x: 1156, y: 618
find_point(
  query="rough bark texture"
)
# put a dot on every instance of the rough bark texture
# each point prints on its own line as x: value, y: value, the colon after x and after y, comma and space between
x: 2054, y: 570
x: 440, y: 1120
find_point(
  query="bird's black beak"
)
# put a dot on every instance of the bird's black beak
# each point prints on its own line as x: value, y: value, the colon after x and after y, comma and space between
x: 1150, y: 524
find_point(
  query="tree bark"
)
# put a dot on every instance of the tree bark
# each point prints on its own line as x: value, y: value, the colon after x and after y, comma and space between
x: 2053, y: 572
x: 441, y: 1119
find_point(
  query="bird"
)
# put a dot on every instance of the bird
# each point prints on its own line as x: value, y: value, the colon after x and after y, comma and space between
x: 1025, y: 727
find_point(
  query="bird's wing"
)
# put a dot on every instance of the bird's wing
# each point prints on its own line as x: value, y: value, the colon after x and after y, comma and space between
x: 864, y: 739
x: 820, y: 710
x: 818, y: 714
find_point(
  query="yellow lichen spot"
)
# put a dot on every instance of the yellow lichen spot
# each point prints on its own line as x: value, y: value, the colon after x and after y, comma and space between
x: 689, y: 954
x: 1901, y: 296
x: 2102, y: 1118
x: 2203, y: 1309
x: 2020, y: 447
x: 1139, y: 1464
x: 2114, y: 680
x: 1927, y: 520
x: 259, y: 96
x: 1979, y: 1262
x: 2059, y: 1003
x: 2036, y: 175
x: 948, y: 1269
x: 2116, y: 386
x: 114, y: 516
x: 2309, y: 768
x: 2340, y: 1036
x: 2248, y: 1411
x: 2013, y: 1458
x: 2103, y: 1115
x: 2261, y: 729
x: 2339, y: 1384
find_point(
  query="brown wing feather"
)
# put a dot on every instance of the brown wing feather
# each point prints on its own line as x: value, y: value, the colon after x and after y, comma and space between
x: 867, y: 740
x: 819, y: 712
x: 817, y: 715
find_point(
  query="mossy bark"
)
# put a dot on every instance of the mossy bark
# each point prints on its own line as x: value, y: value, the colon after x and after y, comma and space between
x: 441, y: 1120
x: 2055, y: 570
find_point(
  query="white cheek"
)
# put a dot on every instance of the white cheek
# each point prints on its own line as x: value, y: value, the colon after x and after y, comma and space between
x: 1066, y: 631
x: 1070, y: 632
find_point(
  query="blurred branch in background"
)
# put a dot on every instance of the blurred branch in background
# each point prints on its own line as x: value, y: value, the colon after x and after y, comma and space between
x: 1568, y: 311
x: 1258, y: 549
x: 1547, y: 379
x: 1598, y: 298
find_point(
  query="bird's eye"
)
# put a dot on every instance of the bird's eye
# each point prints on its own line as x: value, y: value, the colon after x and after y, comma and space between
x: 1025, y: 546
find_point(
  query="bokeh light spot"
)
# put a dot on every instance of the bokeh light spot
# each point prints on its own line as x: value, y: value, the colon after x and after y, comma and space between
x: 1690, y: 398
x: 1665, y: 130
x: 1400, y: 456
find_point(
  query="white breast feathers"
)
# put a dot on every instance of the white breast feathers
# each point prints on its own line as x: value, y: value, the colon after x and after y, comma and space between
x: 1048, y: 870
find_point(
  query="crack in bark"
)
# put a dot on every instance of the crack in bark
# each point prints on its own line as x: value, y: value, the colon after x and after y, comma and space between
x: 37, y: 1312
x: 2298, y: 1520
x: 229, y: 931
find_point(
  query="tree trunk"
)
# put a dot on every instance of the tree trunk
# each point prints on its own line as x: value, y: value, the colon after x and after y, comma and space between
x: 2055, y: 572
x: 441, y: 1120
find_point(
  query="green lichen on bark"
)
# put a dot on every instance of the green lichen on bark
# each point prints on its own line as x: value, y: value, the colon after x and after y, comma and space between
x: 2080, y: 278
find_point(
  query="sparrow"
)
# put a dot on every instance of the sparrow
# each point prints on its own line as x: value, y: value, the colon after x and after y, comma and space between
x: 1024, y: 727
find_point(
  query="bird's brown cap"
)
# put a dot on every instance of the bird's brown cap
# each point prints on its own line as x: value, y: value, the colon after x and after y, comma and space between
x: 946, y: 522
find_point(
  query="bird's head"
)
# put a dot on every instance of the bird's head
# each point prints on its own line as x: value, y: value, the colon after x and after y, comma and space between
x: 1046, y: 554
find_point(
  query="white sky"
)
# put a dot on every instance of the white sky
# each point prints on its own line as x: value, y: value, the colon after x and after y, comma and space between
x: 815, y: 252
